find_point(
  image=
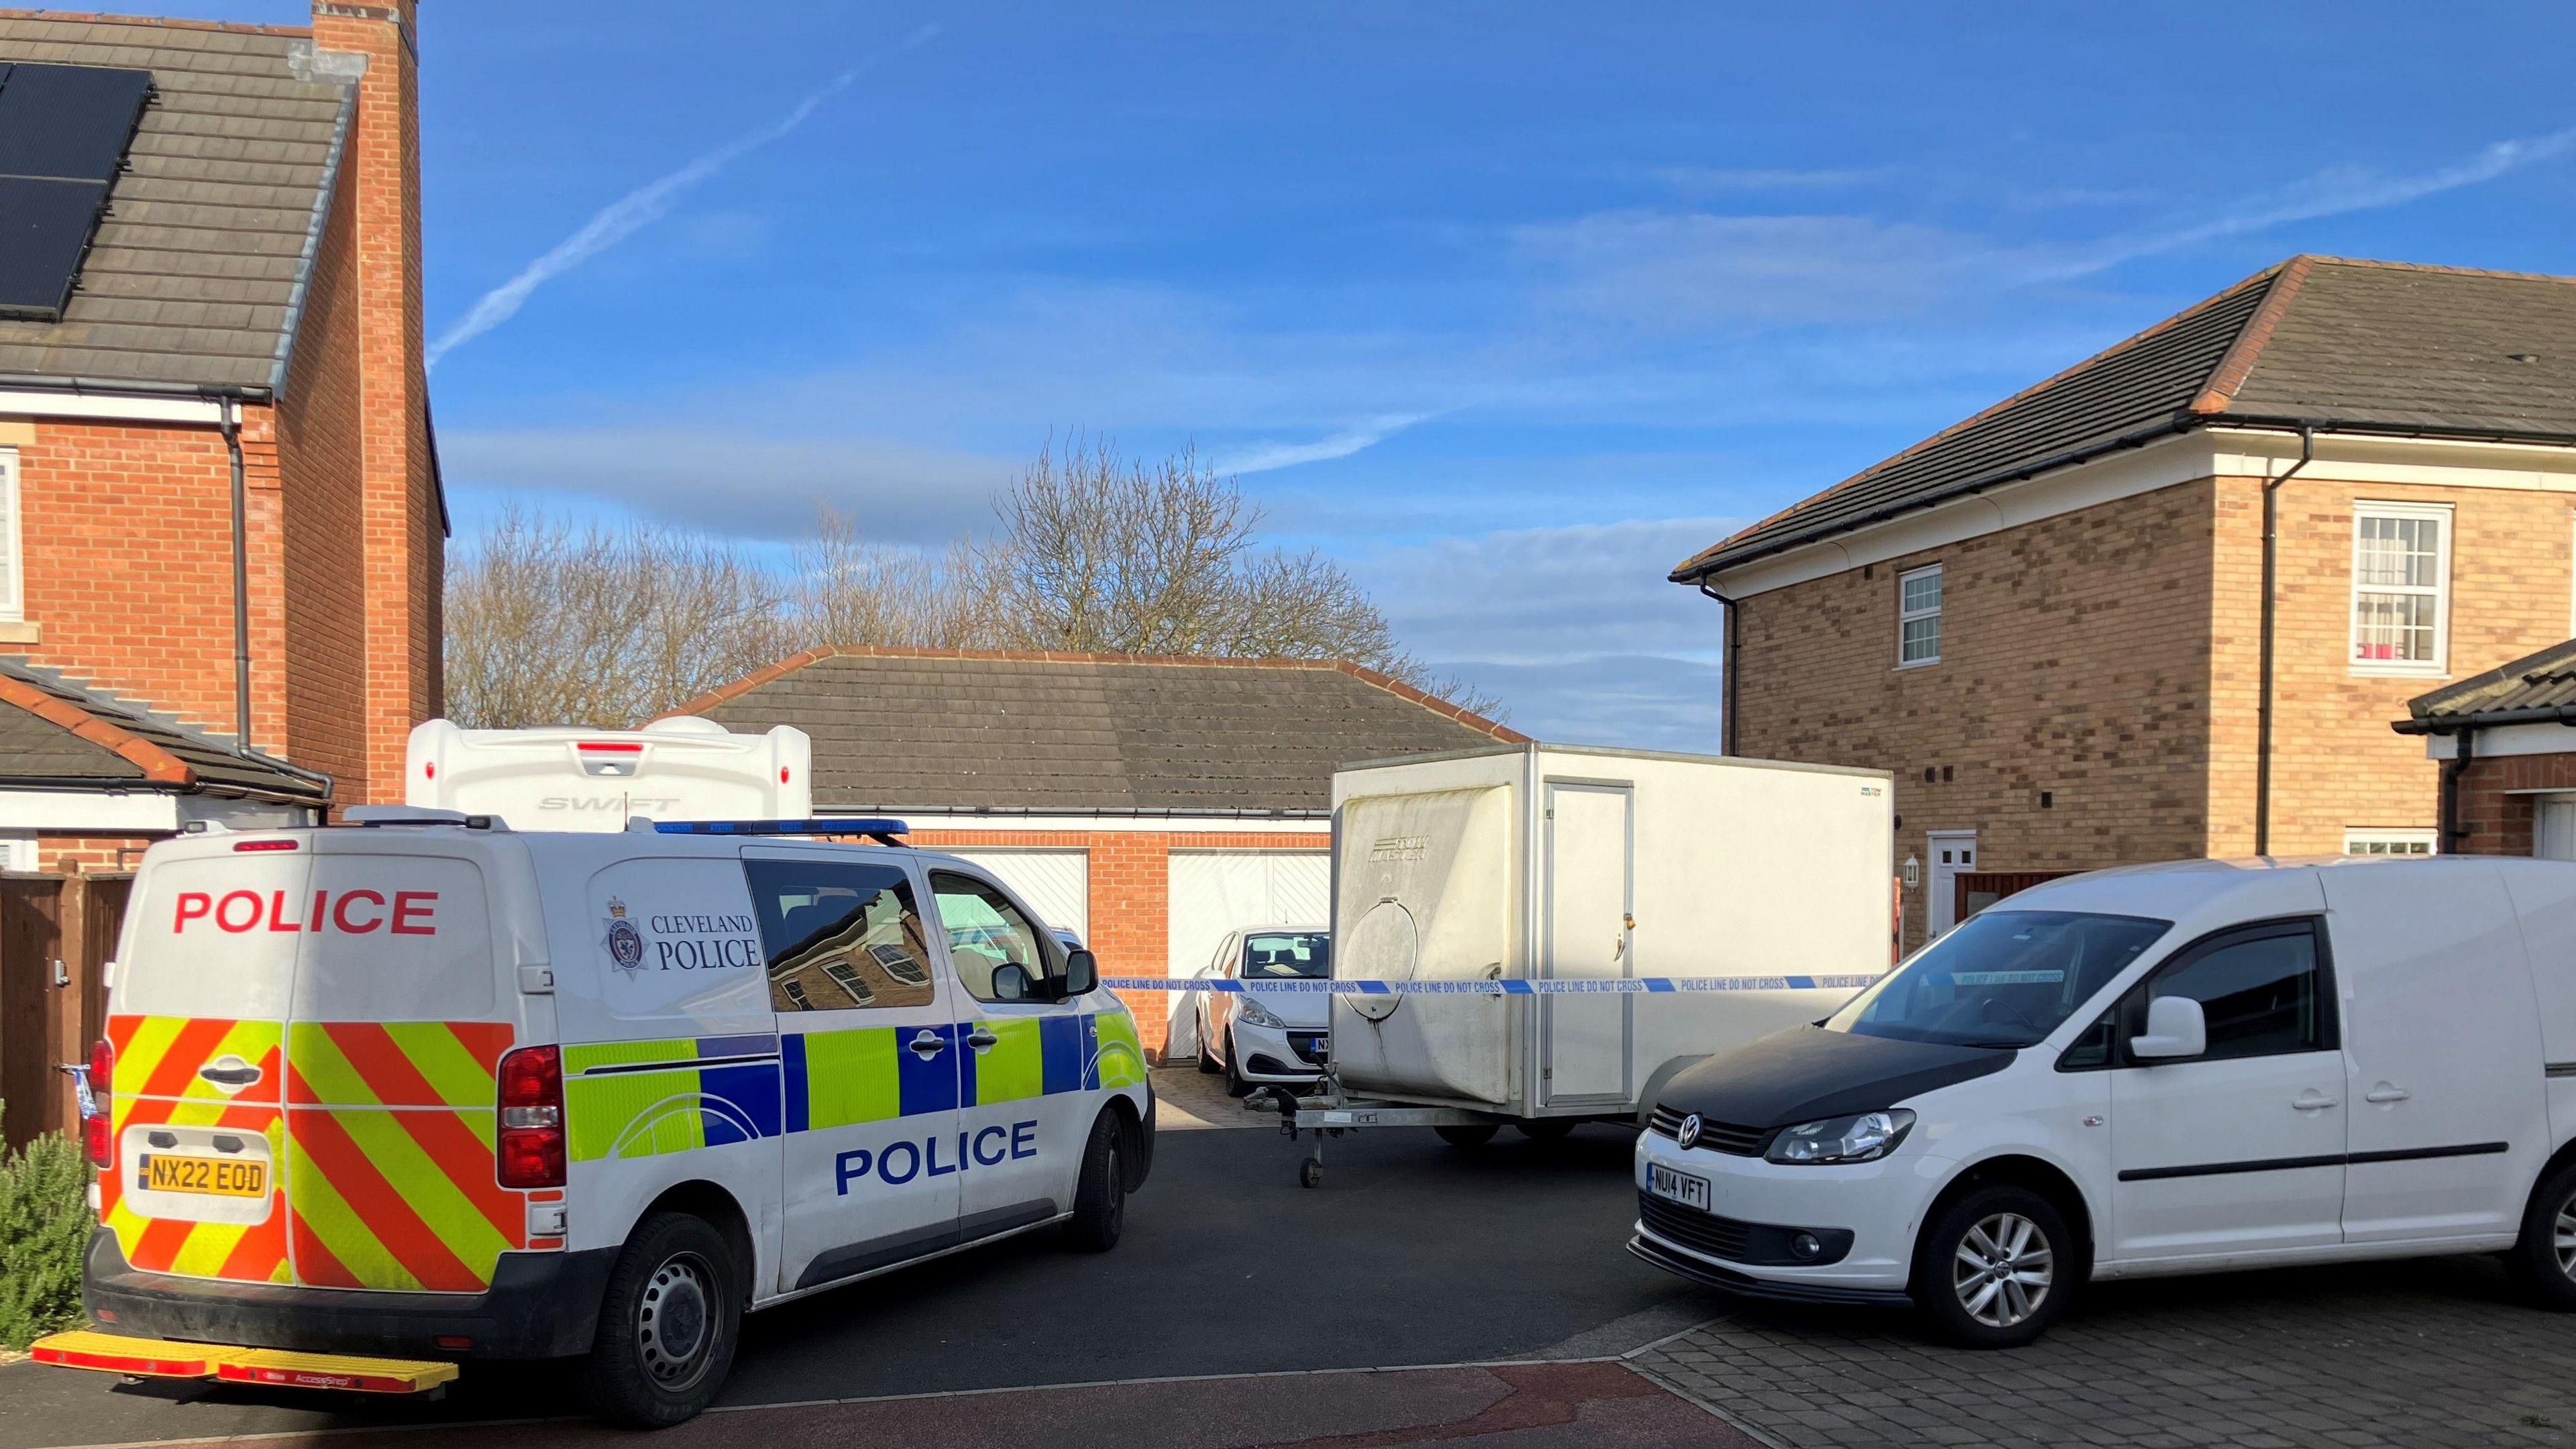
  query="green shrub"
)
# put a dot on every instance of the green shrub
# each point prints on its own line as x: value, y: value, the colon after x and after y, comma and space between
x: 44, y: 1226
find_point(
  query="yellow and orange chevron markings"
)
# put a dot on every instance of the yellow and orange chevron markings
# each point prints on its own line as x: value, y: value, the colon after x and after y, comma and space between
x: 382, y: 1144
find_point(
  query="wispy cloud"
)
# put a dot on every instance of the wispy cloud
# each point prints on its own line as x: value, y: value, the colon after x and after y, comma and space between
x: 638, y: 209
x: 1264, y: 457
x: 1714, y: 179
x: 2333, y: 193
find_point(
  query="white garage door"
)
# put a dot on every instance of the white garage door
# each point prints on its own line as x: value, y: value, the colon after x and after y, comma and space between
x: 1055, y: 883
x: 1216, y: 891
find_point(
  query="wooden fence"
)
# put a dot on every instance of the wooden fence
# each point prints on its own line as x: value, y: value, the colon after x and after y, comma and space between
x: 56, y: 935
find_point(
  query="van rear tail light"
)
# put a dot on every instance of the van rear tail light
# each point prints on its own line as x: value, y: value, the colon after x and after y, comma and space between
x: 529, y: 1150
x: 97, y: 1129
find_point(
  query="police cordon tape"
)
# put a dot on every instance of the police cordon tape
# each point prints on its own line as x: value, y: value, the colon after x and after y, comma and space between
x: 1616, y: 986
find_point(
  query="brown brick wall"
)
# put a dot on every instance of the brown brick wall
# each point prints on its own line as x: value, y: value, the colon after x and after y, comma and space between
x: 2075, y: 656
x: 2494, y: 818
x: 2336, y: 763
x: 1130, y: 895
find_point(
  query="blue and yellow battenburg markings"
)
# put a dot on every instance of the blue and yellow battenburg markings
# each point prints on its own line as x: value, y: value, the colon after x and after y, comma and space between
x: 641, y: 1098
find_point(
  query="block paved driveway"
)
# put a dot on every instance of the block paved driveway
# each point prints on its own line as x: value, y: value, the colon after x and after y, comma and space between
x: 1426, y: 1295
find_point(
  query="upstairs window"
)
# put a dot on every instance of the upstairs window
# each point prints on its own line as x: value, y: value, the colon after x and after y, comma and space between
x: 1918, y: 617
x: 2382, y: 840
x: 2401, y: 574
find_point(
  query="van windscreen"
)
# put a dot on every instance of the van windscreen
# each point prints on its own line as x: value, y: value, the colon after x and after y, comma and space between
x: 2001, y: 979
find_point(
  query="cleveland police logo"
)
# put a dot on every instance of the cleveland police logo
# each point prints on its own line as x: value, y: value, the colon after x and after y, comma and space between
x: 625, y: 943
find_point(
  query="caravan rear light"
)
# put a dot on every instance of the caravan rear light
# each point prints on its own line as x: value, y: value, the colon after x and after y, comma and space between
x: 97, y: 1129
x: 530, y: 1149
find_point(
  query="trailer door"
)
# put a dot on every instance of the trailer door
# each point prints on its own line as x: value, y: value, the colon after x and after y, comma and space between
x: 1584, y: 1040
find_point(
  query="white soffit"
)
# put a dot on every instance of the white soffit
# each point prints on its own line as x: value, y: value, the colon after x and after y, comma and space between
x: 110, y: 407
x: 2188, y: 457
x: 2518, y: 739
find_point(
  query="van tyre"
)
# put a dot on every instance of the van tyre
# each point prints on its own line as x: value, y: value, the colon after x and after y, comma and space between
x: 1100, y: 1194
x: 1994, y: 1268
x: 667, y: 1325
x: 2545, y: 1257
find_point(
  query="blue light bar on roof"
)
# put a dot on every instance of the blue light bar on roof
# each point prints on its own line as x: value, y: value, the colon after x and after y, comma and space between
x: 874, y: 827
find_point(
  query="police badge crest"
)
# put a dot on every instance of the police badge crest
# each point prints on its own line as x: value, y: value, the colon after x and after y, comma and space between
x: 625, y: 944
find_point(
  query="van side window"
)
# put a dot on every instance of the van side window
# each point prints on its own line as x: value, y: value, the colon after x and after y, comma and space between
x: 840, y: 936
x: 2262, y: 992
x: 985, y: 931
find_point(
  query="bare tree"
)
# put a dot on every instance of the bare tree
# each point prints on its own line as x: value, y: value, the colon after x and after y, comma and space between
x: 552, y: 624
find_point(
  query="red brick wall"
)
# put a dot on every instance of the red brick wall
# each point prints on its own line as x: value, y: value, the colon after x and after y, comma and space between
x: 2494, y: 820
x: 1130, y: 895
x: 127, y: 540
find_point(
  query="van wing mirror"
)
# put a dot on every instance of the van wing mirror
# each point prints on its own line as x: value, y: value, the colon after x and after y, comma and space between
x: 1081, y: 972
x: 2176, y: 1028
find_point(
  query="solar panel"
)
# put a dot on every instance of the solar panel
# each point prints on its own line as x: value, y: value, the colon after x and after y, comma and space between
x: 72, y: 122
x: 44, y: 228
x: 63, y: 134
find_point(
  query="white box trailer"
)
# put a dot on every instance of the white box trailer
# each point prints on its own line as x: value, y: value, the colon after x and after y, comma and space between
x: 562, y: 777
x: 1764, y: 889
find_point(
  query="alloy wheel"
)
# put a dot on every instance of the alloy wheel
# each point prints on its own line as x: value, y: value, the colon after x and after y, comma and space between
x: 675, y: 1325
x: 2004, y: 1269
x: 2564, y: 1237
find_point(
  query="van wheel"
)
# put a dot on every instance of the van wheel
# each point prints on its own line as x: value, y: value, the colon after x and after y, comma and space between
x: 1994, y: 1269
x: 2545, y: 1258
x: 1475, y: 1136
x: 1100, y: 1195
x: 667, y: 1327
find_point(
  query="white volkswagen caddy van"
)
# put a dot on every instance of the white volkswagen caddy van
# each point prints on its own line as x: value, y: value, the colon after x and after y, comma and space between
x: 2161, y: 1069
x: 430, y: 1088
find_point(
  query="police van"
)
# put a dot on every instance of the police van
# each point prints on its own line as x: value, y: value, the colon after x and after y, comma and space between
x: 383, y: 1096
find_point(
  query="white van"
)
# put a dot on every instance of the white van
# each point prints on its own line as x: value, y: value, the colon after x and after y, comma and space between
x: 430, y: 1088
x: 2160, y: 1069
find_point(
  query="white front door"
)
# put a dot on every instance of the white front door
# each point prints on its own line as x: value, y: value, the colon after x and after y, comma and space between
x: 2553, y: 827
x: 868, y: 1049
x: 2240, y: 1149
x: 1954, y: 854
x: 1584, y: 1056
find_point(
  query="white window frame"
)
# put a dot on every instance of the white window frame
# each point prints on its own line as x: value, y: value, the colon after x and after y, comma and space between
x: 2440, y: 592
x: 1905, y: 616
x: 13, y: 558
x: 2376, y: 839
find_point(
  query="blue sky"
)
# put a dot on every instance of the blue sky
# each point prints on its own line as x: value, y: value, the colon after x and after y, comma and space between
x: 1509, y: 306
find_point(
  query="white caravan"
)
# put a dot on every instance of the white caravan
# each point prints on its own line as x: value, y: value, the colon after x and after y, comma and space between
x: 1555, y: 863
x: 2160, y: 1069
x: 563, y: 777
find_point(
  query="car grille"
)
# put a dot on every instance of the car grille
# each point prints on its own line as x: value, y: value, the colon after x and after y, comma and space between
x: 1715, y: 1136
x: 1309, y: 1045
x: 1698, y: 1231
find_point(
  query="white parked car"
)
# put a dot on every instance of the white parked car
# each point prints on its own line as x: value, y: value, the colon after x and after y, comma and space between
x: 2161, y: 1069
x: 1259, y: 1038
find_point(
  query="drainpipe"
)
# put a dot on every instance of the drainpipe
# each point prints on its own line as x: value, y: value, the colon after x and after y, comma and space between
x: 2263, y: 711
x: 231, y: 422
x: 1726, y: 685
x: 2448, y: 812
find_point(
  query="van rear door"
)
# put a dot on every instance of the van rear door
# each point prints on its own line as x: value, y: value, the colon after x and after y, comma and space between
x: 306, y: 1029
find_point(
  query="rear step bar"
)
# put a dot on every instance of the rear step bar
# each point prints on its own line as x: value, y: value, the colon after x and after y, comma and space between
x: 277, y: 1368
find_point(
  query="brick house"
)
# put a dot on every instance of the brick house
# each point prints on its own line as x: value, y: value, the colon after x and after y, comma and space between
x: 210, y: 331
x: 2164, y: 603
x: 237, y: 351
x: 2504, y: 743
x: 1150, y: 805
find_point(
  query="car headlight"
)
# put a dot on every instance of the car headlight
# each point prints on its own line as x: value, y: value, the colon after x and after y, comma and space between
x: 1861, y: 1137
x: 1258, y: 1015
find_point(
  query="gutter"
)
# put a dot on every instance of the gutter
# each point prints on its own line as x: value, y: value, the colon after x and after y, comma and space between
x: 2139, y: 437
x: 1726, y: 682
x: 202, y: 391
x: 2263, y: 709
